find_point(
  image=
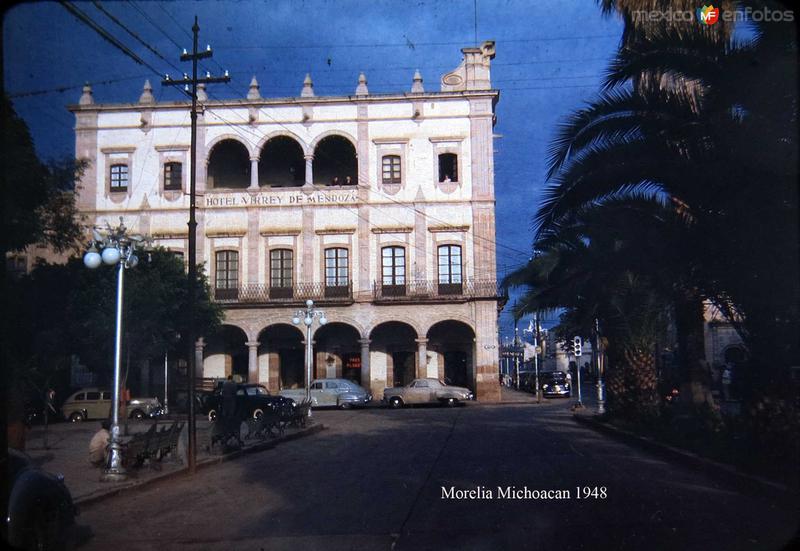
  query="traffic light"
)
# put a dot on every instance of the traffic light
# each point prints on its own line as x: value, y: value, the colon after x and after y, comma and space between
x: 576, y: 346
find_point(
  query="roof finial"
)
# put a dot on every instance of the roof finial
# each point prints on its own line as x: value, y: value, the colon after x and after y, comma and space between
x: 308, y: 87
x: 253, y: 93
x: 147, y: 93
x: 416, y: 87
x: 361, y: 89
x: 86, y: 97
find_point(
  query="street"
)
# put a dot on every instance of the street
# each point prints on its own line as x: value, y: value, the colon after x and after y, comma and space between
x: 390, y: 479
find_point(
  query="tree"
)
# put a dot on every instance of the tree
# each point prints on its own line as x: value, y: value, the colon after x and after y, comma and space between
x: 70, y: 310
x: 689, y: 139
x: 591, y: 266
x: 38, y: 207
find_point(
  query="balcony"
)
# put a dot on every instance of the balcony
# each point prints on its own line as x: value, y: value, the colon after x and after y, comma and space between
x: 266, y: 295
x: 433, y: 291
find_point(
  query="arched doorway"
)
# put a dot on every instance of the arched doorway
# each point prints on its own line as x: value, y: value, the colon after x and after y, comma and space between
x: 282, y: 163
x: 451, y: 347
x: 337, y: 353
x: 228, y: 166
x: 393, y: 352
x: 281, y: 354
x: 225, y: 354
x: 334, y: 162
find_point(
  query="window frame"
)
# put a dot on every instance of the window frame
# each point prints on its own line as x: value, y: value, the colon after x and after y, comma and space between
x: 341, y: 261
x: 395, y: 165
x: 170, y: 184
x: 127, y: 173
x: 230, y: 281
x: 449, y: 282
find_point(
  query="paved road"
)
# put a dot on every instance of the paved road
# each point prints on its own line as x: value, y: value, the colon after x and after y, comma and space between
x: 374, y: 480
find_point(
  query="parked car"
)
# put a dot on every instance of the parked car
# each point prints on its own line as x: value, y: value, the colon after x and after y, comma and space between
x: 554, y: 383
x: 340, y: 393
x: 424, y: 391
x: 251, y: 401
x: 40, y: 513
x: 95, y: 403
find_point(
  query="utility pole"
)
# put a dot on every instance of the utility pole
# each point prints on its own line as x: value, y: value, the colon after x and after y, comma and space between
x: 516, y: 350
x: 190, y: 85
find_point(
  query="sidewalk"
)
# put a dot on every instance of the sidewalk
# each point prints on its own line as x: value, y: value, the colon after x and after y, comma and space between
x: 68, y: 450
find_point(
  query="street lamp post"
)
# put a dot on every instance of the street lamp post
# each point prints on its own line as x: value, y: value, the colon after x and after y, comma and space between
x: 115, y: 247
x: 306, y: 317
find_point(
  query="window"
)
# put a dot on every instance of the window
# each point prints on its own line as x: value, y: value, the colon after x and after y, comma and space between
x: 331, y: 385
x: 106, y: 396
x: 393, y: 265
x: 391, y: 169
x: 226, y: 281
x: 173, y: 180
x: 448, y: 167
x: 119, y: 177
x: 280, y: 276
x: 449, y: 270
x: 80, y: 396
x: 92, y: 395
x: 336, y: 272
x: 316, y: 386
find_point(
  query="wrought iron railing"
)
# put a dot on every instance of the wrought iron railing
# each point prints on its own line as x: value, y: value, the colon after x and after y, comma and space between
x: 421, y: 290
x: 298, y: 293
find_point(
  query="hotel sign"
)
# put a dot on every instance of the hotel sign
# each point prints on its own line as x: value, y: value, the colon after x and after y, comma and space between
x: 279, y: 199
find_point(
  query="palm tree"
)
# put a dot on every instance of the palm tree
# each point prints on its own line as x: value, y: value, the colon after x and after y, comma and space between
x: 591, y: 266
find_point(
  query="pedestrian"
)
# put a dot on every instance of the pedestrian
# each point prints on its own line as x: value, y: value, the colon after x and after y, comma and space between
x: 228, y: 397
x: 727, y: 378
x: 49, y: 406
x: 98, y: 446
x: 348, y: 181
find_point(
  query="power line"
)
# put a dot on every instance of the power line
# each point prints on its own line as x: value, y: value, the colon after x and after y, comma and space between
x: 130, y: 32
x: 106, y: 35
x: 410, y: 44
x: 144, y: 14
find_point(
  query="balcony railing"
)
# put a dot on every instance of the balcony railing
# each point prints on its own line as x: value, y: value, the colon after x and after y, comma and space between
x: 432, y: 290
x: 298, y: 293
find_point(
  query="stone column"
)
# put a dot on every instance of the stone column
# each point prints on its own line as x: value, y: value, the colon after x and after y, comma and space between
x: 199, y: 345
x: 253, y: 174
x: 422, y: 358
x: 365, y: 374
x: 252, y: 361
x: 309, y: 170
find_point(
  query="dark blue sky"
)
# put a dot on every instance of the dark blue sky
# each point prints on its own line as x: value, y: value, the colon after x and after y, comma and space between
x: 551, y: 56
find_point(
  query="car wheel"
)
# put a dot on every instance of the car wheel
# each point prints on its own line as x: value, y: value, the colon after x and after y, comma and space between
x: 396, y: 402
x: 76, y: 417
x: 258, y: 413
x: 137, y: 414
x: 212, y: 415
x: 345, y: 405
x: 451, y: 402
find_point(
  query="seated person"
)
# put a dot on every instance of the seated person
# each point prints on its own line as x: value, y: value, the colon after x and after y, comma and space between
x: 348, y: 181
x: 335, y: 181
x: 98, y: 446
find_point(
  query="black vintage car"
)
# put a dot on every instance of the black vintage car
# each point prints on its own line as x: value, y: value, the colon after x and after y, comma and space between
x: 555, y: 383
x: 39, y: 513
x: 251, y: 401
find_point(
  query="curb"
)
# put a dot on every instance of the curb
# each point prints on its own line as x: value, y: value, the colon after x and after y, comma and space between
x: 709, y: 467
x: 184, y: 471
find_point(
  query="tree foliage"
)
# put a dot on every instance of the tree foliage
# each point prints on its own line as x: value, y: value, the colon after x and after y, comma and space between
x: 66, y: 310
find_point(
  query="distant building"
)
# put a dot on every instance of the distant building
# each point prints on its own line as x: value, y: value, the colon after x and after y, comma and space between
x: 380, y: 208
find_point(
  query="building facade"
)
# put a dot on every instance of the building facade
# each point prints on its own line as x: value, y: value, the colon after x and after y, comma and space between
x: 380, y: 208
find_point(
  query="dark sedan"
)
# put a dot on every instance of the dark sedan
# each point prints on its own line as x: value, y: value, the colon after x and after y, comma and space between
x: 39, y: 513
x: 555, y: 383
x: 251, y: 401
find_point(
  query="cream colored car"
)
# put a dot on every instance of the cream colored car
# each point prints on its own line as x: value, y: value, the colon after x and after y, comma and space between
x: 95, y: 403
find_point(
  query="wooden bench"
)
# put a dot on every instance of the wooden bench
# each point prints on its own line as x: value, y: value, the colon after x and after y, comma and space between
x: 299, y: 417
x: 267, y: 424
x: 222, y: 431
x: 153, y: 444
